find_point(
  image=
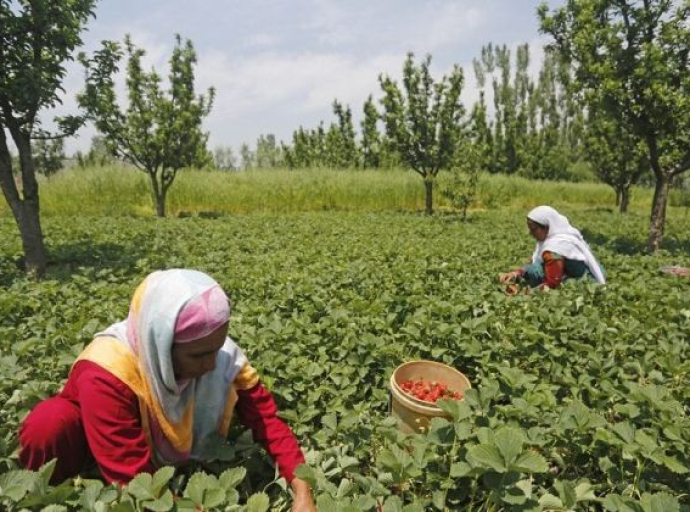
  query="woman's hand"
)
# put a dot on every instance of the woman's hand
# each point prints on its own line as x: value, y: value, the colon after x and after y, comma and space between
x: 303, y: 500
x: 512, y: 289
x: 508, y: 277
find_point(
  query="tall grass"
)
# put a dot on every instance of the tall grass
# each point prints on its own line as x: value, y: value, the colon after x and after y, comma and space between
x: 125, y: 191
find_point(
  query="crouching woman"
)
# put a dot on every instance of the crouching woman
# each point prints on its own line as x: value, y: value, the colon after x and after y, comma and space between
x: 561, y: 253
x: 150, y: 391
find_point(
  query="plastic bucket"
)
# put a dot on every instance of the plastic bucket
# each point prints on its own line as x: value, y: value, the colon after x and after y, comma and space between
x: 414, y: 415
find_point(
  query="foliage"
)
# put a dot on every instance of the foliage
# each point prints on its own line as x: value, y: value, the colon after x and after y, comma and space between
x: 631, y: 61
x: 36, y: 41
x: 579, y: 393
x: 48, y: 155
x: 159, y: 133
x: 619, y: 158
x: 371, y: 138
x: 97, y: 156
x: 461, y: 191
x: 224, y: 158
x: 423, y: 119
x: 268, y: 154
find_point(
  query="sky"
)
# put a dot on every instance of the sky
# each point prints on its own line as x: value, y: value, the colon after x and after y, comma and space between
x: 278, y: 65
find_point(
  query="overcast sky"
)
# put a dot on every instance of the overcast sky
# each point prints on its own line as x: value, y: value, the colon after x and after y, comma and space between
x: 277, y: 65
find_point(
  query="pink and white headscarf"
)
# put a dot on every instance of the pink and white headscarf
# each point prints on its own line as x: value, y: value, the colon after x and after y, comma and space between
x: 180, y: 306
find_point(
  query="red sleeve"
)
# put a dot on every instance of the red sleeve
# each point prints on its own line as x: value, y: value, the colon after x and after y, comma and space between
x: 554, y: 269
x: 257, y: 410
x: 112, y: 423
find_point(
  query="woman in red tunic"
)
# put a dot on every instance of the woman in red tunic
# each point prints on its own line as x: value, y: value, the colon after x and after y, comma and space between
x: 149, y: 391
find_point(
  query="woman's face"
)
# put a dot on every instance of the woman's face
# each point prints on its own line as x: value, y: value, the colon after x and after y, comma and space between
x: 193, y: 359
x: 538, y: 232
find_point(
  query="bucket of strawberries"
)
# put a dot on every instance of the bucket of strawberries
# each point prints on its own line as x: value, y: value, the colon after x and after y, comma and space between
x: 417, y: 386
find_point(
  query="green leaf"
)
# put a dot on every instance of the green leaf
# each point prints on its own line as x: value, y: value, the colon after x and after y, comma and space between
x: 15, y: 484
x: 231, y: 478
x: 585, y: 492
x: 486, y: 456
x: 344, y: 489
x: 258, y: 502
x: 46, y: 471
x: 197, y: 485
x: 91, y: 493
x: 660, y: 502
x: 618, y: 503
x: 141, y: 487
x: 162, y: 504
x: 413, y: 507
x: 625, y: 431
x: 530, y: 462
x: 548, y: 501
x: 673, y: 464
x: 457, y: 409
x: 567, y: 493
x: 214, y: 497
x: 509, y: 442
x: 513, y: 496
x: 460, y: 469
x: 162, y: 477
x: 330, y: 421
x: 393, y: 504
x: 439, y: 499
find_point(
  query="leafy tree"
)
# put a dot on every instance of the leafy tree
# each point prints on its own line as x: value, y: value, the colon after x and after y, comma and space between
x: 467, y: 163
x: 36, y: 39
x: 159, y: 133
x: 344, y: 145
x: 423, y: 120
x: 246, y: 156
x: 224, y: 158
x: 98, y: 155
x: 309, y: 148
x: 48, y: 155
x: 618, y: 157
x: 268, y: 153
x: 371, y: 138
x: 631, y: 59
x: 511, y: 97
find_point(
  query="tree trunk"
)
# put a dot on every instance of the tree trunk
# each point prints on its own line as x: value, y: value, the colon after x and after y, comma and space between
x: 625, y: 199
x: 160, y: 204
x: 26, y: 211
x: 618, y: 197
x: 429, y: 186
x: 159, y: 192
x: 656, y: 230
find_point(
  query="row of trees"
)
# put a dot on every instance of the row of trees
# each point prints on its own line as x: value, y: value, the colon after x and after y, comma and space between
x: 613, y: 91
x: 631, y: 61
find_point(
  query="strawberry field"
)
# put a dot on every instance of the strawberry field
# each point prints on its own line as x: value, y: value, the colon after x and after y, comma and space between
x: 580, y: 396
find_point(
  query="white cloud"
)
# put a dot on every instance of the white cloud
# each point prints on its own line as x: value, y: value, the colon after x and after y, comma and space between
x: 451, y: 24
x: 276, y: 65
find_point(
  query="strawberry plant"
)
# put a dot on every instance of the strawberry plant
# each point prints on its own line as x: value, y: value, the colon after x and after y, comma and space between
x: 579, y: 396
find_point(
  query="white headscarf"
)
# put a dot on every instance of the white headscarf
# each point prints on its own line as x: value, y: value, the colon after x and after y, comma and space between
x: 564, y: 240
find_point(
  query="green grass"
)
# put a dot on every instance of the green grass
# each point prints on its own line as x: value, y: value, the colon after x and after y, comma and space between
x: 115, y: 190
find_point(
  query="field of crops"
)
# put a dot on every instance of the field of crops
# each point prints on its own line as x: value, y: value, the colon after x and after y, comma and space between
x: 581, y: 394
